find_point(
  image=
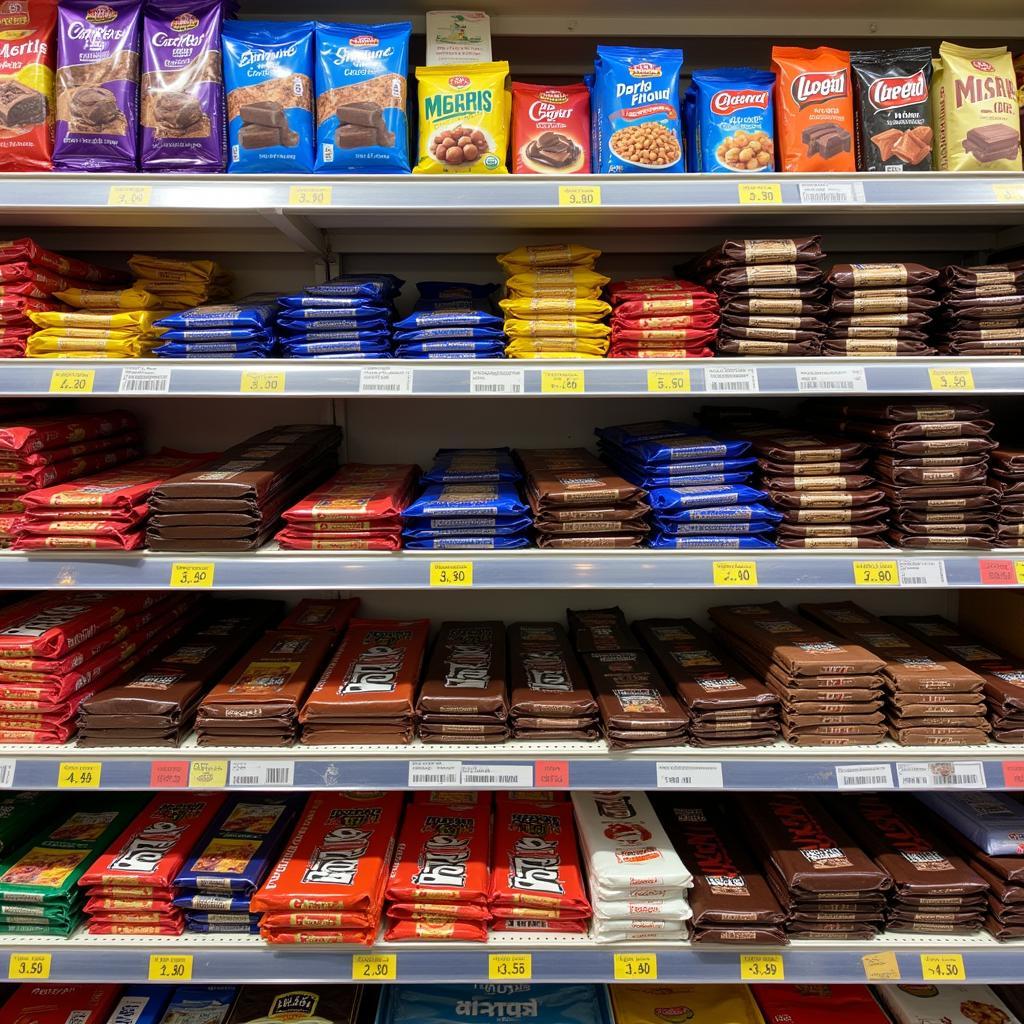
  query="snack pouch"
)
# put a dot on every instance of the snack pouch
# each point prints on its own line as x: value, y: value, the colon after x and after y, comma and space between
x: 464, y: 119
x: 550, y: 129
x: 268, y: 78
x: 702, y: 1004
x: 26, y: 85
x: 637, y: 95
x: 977, y: 116
x: 814, y: 100
x: 735, y: 116
x: 361, y: 86
x: 97, y: 85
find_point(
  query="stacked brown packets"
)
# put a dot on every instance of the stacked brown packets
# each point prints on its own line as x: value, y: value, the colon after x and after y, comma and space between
x: 1006, y: 477
x: 983, y: 310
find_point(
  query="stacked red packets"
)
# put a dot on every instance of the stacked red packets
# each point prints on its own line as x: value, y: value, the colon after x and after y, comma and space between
x: 660, y: 318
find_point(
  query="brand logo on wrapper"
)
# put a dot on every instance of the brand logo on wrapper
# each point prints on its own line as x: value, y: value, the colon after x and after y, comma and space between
x: 184, y: 23
x: 889, y: 93
x: 144, y: 851
x: 364, y: 40
x: 674, y: 1014
x: 476, y: 1008
x: 13, y: 14
x: 818, y: 86
x: 445, y: 855
x: 296, y: 1005
x: 727, y: 101
x: 982, y: 65
x: 534, y: 860
x: 100, y: 15
x: 336, y: 860
x: 553, y: 96
x: 645, y: 69
x: 458, y: 81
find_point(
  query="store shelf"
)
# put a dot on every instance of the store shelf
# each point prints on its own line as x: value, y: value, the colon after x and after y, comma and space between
x: 230, y: 959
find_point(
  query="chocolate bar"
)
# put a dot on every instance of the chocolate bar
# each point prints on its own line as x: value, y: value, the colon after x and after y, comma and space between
x: 258, y: 136
x: 20, y: 105
x: 178, y: 111
x: 94, y: 106
x: 268, y: 113
x: 354, y: 136
x: 365, y: 114
x: 992, y: 142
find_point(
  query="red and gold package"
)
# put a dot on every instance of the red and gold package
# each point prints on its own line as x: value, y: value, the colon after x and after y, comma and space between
x: 550, y: 129
x: 430, y: 911
x: 364, y: 937
x: 438, y: 929
x: 357, y: 491
x: 60, y: 1004
x: 539, y: 924
x: 814, y: 1004
x: 318, y: 920
x: 814, y: 106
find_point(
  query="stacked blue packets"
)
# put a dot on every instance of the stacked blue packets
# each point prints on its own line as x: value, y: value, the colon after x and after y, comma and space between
x: 348, y: 317
x: 697, y: 485
x: 451, y: 321
x: 471, y: 500
x: 242, y: 330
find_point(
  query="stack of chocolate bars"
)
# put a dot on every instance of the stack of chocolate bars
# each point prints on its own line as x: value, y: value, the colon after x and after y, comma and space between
x: 361, y: 124
x: 265, y: 124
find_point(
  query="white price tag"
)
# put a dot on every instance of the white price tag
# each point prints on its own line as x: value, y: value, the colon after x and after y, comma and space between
x: 689, y: 775
x: 730, y: 378
x: 831, y: 378
x: 7, y: 766
x: 941, y: 775
x: 498, y: 776
x: 832, y: 192
x: 922, y: 572
x: 497, y: 382
x: 145, y: 380
x: 385, y: 380
x: 261, y: 773
x: 434, y: 774
x: 864, y: 776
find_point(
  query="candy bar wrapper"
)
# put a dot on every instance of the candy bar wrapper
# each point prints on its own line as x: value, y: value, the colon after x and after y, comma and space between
x: 44, y: 432
x: 812, y: 1004
x: 954, y: 1004
x: 222, y: 928
x: 357, y: 492
x: 439, y: 929
x: 994, y: 822
x: 640, y: 1004
x: 338, y: 856
x: 537, y: 924
x: 316, y: 614
x: 483, y: 1004
x: 20, y: 813
x: 141, y: 1004
x: 60, y: 1004
x: 234, y: 853
x: 212, y: 904
x: 331, y: 1004
x: 102, y: 905
x: 425, y: 911
x: 209, y: 1004
x: 316, y: 920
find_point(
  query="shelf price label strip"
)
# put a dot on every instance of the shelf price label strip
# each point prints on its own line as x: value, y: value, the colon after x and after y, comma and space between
x: 79, y: 774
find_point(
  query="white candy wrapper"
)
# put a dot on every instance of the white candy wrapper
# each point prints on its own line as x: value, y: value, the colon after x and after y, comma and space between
x: 637, y: 894
x: 676, y: 909
x: 637, y: 931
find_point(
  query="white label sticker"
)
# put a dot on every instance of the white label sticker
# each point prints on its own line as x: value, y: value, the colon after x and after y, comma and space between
x: 922, y: 572
x: 261, y: 773
x: 690, y: 775
x: 941, y: 775
x: 145, y: 380
x: 864, y: 776
x: 7, y: 766
x: 513, y: 776
x: 496, y: 382
x: 832, y: 192
x: 434, y: 774
x: 730, y: 378
x: 385, y: 380
x: 831, y: 378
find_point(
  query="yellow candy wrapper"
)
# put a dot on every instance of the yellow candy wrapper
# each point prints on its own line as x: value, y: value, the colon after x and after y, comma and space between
x: 534, y: 257
x: 543, y: 308
x: 124, y: 298
x: 684, y: 1004
x: 565, y: 328
x: 557, y: 282
x: 141, y: 320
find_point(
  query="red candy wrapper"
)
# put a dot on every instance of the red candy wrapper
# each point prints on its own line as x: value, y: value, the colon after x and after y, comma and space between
x: 356, y: 492
x: 319, y: 920
x: 818, y: 1004
x: 25, y: 250
x: 34, y: 477
x: 539, y: 924
x: 439, y: 929
x: 300, y: 938
x: 46, y: 432
x: 550, y: 129
x: 60, y: 1004
x: 431, y: 911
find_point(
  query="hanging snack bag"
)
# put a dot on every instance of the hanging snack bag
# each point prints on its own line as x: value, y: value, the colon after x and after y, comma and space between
x: 360, y: 98
x: 735, y: 120
x: 814, y: 99
x: 637, y: 99
x: 550, y: 129
x: 464, y: 118
x: 977, y: 116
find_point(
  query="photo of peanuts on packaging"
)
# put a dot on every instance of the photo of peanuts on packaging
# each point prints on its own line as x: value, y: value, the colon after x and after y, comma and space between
x: 550, y: 129
x: 735, y: 121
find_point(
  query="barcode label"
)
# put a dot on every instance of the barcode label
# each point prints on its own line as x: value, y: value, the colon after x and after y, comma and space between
x: 140, y: 380
x: 498, y: 776
x: 7, y: 766
x: 941, y: 775
x: 730, y: 378
x: 864, y: 776
x: 838, y: 192
x: 386, y: 380
x: 434, y: 774
x: 497, y: 382
x: 261, y: 773
x: 690, y: 775
x: 922, y: 572
x: 831, y: 378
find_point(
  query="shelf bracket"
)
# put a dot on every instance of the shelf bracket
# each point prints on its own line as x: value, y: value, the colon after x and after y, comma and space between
x: 299, y: 231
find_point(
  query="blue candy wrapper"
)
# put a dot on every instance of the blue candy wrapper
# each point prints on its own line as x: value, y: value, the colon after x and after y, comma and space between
x: 203, y: 917
x: 497, y: 354
x: 498, y: 528
x: 471, y: 499
x: 649, y: 483
x: 477, y: 348
x: 361, y: 311
x: 627, y: 434
x: 449, y: 317
x: 662, y: 540
x: 222, y: 929
x: 677, y: 529
x: 753, y: 513
x: 328, y: 348
x: 994, y: 822
x: 207, y: 1003
x: 223, y: 315
x: 493, y: 1004
x: 367, y: 286
x: 472, y: 466
x: 678, y: 448
x: 454, y: 291
x: 675, y: 499
x: 454, y: 543
x: 364, y: 332
x: 218, y: 334
x: 140, y: 1004
x: 256, y: 354
x: 299, y: 302
x: 214, y: 349
x: 204, y: 902
x: 445, y: 333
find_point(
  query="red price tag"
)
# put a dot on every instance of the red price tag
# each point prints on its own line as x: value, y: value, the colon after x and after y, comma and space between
x: 168, y: 775
x: 551, y: 775
x: 1013, y: 774
x: 997, y: 572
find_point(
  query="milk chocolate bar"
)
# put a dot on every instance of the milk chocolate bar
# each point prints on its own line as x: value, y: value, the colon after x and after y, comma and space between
x: 603, y: 629
x: 354, y: 136
x: 259, y: 136
x: 177, y: 111
x: 268, y: 113
x: 466, y: 674
x: 20, y: 105
x: 365, y: 113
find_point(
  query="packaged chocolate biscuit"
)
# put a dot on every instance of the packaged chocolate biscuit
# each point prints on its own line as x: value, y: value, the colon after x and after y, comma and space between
x: 673, y: 1004
x: 308, y: 1004
x: 550, y: 129
x: 491, y: 1003
x: 955, y: 1004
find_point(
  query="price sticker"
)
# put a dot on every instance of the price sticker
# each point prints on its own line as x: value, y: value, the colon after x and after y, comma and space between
x: 72, y: 382
x: 551, y: 774
x: 951, y: 380
x: 192, y: 574
x: 940, y: 775
x: 434, y: 774
x: 29, y: 966
x: 1013, y: 774
x: 130, y: 195
x: 261, y: 383
x: 374, y: 967
x: 864, y: 776
x: 1012, y: 193
x: 759, y: 192
x: 310, y: 195
x: 168, y: 775
x: 451, y: 574
x: 579, y: 195
x: 881, y: 967
x: 831, y: 378
x: 635, y: 966
x: 144, y: 380
x: 668, y: 382
x: 762, y: 967
x: 943, y: 967
x: 79, y: 775
x: 562, y: 382
x: 876, y: 574
x: 497, y: 382
x: 387, y: 380
x: 689, y: 774
x: 170, y: 968
x: 510, y: 966
x: 208, y: 775
x: 498, y: 776
x: 734, y: 574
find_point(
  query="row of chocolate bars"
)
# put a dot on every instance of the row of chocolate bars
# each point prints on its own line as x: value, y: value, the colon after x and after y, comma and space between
x: 145, y: 669
x: 457, y: 867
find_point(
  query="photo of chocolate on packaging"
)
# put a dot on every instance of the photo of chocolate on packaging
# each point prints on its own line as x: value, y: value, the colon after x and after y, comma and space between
x: 550, y: 129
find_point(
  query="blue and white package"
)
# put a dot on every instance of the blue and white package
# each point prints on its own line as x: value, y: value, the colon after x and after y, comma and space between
x: 268, y: 78
x: 210, y: 1004
x: 752, y: 513
x: 208, y: 903
x: 684, y: 447
x: 456, y: 347
x: 626, y: 435
x: 354, y: 133
x: 668, y: 541
x: 498, y: 499
x: 690, y: 126
x: 735, y: 120
x: 239, y: 927
x: 994, y: 822
x: 212, y: 350
x: 217, y: 334
x: 363, y: 286
x: 674, y: 528
x: 259, y: 315
x: 679, y: 499
x: 491, y: 528
x: 472, y: 466
x: 140, y: 1004
x: 496, y: 1003
x: 468, y: 541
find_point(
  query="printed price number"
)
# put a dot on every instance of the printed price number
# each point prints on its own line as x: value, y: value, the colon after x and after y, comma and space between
x: 374, y: 967
x: 635, y: 966
x: 130, y: 195
x: 551, y: 774
x: 451, y: 574
x: 881, y: 966
x: 943, y: 967
x: 262, y: 383
x: 208, y: 775
x: 876, y: 574
x: 79, y: 775
x: 310, y: 195
x: 734, y: 574
x: 1009, y: 193
x: 951, y: 380
x: 192, y: 574
x: 759, y: 192
x: 510, y: 966
x: 762, y: 967
x: 562, y: 382
x: 29, y: 966
x: 997, y: 572
x: 665, y: 382
x: 72, y: 382
x: 579, y: 195
x: 163, y: 967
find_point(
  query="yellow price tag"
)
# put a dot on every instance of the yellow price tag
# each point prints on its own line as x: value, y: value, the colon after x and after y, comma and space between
x: 876, y: 574
x: 1010, y: 193
x: 881, y: 966
x: 28, y: 966
x: 735, y: 574
x: 759, y: 192
x: 579, y: 195
x: 72, y: 382
x: 374, y: 967
x: 262, y: 383
x: 130, y: 195
x: 562, y: 382
x: 207, y: 775
x: 762, y: 967
x: 451, y: 574
x: 951, y: 380
x: 668, y: 381
x: 170, y: 968
x: 192, y: 574
x: 635, y: 966
x: 310, y: 195
x: 943, y: 967
x: 510, y: 966
x: 79, y: 775
x: 1018, y: 568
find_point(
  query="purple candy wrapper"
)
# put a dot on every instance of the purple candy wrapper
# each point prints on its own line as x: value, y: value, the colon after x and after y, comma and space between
x: 97, y: 85
x: 183, y: 127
